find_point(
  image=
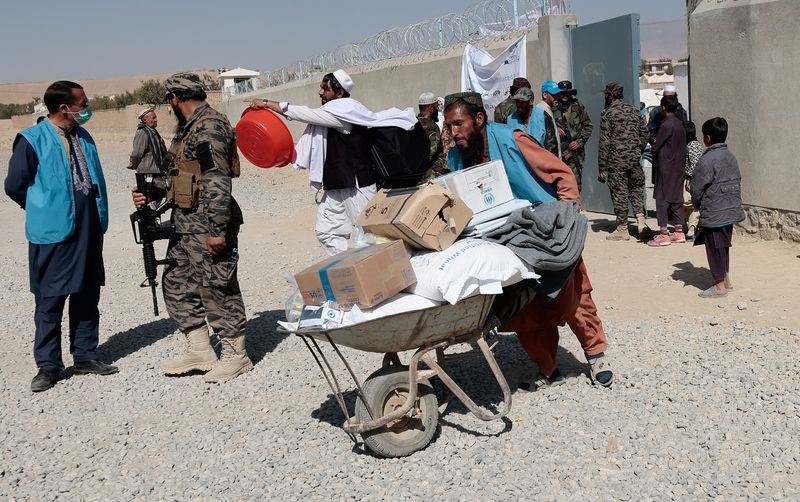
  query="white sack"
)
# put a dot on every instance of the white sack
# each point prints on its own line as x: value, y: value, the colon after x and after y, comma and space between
x: 398, y: 304
x: 468, y: 267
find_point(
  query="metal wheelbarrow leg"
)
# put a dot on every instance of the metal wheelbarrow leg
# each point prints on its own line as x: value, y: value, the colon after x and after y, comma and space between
x: 459, y: 392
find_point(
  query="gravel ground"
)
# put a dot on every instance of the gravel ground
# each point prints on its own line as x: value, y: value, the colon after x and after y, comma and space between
x: 702, y: 408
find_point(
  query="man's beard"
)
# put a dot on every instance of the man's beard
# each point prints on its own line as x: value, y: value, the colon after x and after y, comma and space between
x: 435, y: 116
x: 181, y: 118
x: 473, y: 153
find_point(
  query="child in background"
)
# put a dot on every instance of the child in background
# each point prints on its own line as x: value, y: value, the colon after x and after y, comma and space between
x: 716, y: 189
x: 693, y: 152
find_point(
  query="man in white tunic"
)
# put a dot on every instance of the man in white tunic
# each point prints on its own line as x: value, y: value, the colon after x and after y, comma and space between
x: 335, y: 148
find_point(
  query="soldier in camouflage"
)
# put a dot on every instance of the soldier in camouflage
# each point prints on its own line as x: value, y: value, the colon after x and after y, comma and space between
x: 574, y: 128
x: 508, y: 106
x: 201, y: 288
x: 428, y: 116
x: 623, y: 137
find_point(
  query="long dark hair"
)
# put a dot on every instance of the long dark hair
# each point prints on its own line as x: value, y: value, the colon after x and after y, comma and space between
x: 691, y: 132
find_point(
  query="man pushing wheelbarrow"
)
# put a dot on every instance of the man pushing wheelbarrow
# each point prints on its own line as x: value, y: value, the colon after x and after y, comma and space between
x: 537, y: 176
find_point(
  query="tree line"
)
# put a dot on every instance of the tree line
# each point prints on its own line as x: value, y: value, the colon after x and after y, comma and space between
x: 150, y: 92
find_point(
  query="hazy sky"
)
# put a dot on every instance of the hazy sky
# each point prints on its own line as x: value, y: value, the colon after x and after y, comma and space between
x: 48, y: 40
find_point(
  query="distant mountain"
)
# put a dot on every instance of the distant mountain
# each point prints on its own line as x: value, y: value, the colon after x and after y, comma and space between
x: 664, y: 39
x: 24, y: 92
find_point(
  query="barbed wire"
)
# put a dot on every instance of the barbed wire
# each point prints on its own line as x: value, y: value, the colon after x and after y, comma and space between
x: 691, y: 5
x: 488, y: 18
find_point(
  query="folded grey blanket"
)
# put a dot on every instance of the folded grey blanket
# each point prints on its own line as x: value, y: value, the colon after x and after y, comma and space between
x: 547, y: 237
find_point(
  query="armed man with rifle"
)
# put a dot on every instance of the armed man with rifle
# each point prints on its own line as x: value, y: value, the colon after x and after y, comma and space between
x: 200, y: 283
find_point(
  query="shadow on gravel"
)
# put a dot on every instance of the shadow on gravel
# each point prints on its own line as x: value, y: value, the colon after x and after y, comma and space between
x: 261, y: 335
x: 690, y: 275
x: 126, y: 343
x: 476, y: 379
x: 603, y: 225
x: 474, y: 376
x: 507, y: 425
x: 330, y: 412
x: 261, y: 338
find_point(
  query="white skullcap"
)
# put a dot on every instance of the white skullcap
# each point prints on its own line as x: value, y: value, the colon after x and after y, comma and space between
x: 427, y: 98
x: 145, y: 112
x: 344, y: 80
x: 670, y: 88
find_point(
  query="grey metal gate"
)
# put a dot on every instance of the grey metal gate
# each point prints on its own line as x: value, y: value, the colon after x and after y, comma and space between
x: 603, y: 52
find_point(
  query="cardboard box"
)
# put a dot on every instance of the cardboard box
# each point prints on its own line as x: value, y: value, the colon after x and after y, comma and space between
x: 426, y: 217
x: 481, y: 187
x: 363, y: 277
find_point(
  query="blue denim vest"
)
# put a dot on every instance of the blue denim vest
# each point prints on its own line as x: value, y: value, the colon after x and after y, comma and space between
x: 536, y: 127
x: 522, y: 178
x: 50, y: 201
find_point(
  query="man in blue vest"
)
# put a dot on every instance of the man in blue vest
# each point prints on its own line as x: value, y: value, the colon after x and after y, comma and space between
x: 536, y: 121
x: 55, y: 175
x: 538, y: 176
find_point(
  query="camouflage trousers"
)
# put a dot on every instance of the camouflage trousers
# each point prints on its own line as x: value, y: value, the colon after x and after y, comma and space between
x: 576, y: 165
x: 627, y: 187
x: 202, y: 287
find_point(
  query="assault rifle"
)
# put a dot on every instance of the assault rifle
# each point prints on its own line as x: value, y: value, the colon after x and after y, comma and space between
x: 148, y: 227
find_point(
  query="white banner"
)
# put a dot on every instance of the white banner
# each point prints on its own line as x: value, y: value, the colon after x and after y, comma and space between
x: 492, y: 76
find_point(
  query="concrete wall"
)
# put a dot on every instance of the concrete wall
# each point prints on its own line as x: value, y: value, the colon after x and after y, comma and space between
x: 398, y: 83
x: 681, y: 75
x: 745, y: 62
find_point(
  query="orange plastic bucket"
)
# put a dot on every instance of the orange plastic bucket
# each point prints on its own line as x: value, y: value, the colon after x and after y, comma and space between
x: 264, y: 139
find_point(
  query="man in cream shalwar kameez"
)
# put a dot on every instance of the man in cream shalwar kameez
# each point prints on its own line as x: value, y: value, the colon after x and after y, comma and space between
x: 335, y: 149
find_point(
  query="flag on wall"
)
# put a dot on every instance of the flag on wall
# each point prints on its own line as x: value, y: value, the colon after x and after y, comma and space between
x: 492, y: 76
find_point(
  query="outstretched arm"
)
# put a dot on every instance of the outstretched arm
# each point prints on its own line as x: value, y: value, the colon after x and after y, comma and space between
x: 549, y: 168
x: 300, y: 113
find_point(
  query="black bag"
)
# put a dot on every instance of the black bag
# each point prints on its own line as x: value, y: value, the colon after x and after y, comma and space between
x: 400, y: 158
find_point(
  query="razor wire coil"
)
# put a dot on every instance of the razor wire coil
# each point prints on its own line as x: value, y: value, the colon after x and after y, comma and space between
x: 488, y: 18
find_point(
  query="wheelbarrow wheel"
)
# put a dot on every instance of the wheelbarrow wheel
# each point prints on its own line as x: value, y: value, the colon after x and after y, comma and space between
x: 387, y: 390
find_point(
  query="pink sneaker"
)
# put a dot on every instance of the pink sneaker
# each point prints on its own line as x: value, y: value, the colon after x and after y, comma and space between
x: 660, y: 240
x: 678, y: 237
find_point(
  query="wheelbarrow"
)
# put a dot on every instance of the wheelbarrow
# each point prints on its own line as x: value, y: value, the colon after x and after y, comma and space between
x: 397, y: 410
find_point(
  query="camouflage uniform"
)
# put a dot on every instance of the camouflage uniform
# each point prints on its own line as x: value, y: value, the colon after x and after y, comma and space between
x: 201, y: 286
x: 504, y: 110
x: 439, y: 166
x: 623, y: 137
x: 578, y: 127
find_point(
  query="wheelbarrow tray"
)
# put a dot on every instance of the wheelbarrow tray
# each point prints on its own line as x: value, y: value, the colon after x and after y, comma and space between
x: 411, y: 330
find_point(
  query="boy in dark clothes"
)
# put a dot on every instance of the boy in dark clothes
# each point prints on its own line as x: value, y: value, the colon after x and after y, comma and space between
x: 716, y: 189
